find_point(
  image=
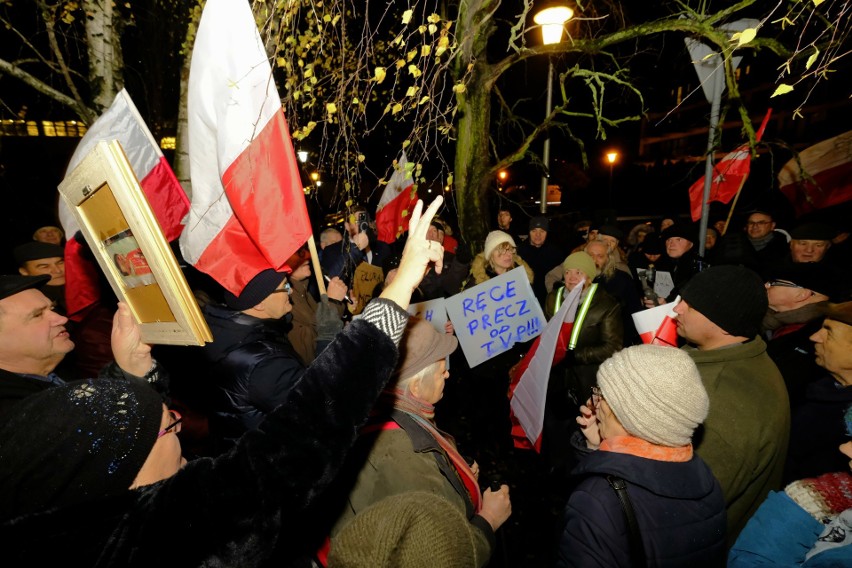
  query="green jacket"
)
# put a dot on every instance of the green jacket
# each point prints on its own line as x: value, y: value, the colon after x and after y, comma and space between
x: 410, y: 459
x: 744, y: 439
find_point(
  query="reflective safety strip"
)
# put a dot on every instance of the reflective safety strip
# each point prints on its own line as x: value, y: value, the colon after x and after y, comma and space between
x: 581, y: 315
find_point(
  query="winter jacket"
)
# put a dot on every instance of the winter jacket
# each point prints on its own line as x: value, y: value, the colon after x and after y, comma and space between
x: 242, y: 507
x: 818, y: 427
x: 404, y: 459
x: 541, y: 260
x: 744, y: 438
x: 678, y: 506
x: 251, y: 368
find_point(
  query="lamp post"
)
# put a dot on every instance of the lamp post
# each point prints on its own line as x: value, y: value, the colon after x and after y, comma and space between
x: 552, y: 21
x: 611, y: 158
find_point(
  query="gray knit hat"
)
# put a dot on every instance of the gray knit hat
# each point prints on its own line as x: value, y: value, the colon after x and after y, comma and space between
x: 655, y: 392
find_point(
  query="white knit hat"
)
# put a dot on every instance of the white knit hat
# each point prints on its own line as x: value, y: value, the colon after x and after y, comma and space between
x: 655, y: 392
x: 495, y: 239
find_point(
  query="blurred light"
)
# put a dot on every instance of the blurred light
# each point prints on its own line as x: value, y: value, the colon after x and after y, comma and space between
x: 303, y: 156
x: 552, y: 21
x: 611, y: 157
x: 503, y: 175
x: 167, y: 143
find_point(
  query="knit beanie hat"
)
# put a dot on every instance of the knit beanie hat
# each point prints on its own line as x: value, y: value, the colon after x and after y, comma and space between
x: 655, y: 392
x: 76, y: 443
x: 421, y: 346
x: 732, y: 297
x: 814, y: 232
x: 583, y: 262
x: 410, y: 530
x: 495, y: 239
x: 256, y: 290
x: 540, y: 222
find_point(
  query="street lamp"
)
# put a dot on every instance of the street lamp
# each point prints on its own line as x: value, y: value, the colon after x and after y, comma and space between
x: 611, y: 158
x: 303, y: 156
x: 502, y: 175
x: 552, y: 21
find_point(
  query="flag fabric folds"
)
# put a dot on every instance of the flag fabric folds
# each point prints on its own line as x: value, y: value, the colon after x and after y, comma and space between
x: 729, y: 175
x: 248, y: 210
x: 168, y: 201
x: 821, y: 176
x: 528, y: 388
x: 396, y: 203
x: 656, y: 326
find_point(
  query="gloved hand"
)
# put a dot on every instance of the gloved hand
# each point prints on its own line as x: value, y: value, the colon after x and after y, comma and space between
x: 328, y: 320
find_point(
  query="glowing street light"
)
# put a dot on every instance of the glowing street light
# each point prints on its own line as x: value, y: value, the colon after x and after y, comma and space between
x: 552, y: 21
x: 611, y: 158
x: 303, y: 156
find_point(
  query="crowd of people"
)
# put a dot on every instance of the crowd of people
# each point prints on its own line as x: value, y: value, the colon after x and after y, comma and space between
x: 321, y: 429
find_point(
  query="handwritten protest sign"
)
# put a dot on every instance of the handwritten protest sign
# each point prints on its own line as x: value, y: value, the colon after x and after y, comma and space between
x: 364, y: 282
x: 433, y: 311
x: 491, y: 317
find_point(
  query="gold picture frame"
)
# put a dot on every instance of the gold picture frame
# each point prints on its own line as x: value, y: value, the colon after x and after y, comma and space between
x: 118, y: 224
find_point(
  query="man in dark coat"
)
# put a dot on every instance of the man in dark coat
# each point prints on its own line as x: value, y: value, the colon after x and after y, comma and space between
x: 768, y: 244
x: 34, y: 341
x: 250, y: 363
x: 819, y: 424
x: 541, y: 255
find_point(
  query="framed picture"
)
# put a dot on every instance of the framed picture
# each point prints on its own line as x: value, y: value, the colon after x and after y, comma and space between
x: 120, y: 228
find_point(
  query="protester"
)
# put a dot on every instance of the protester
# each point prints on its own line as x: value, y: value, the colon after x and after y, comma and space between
x: 540, y: 254
x: 498, y: 257
x: 639, y: 421
x: 49, y: 234
x: 768, y: 244
x: 35, y: 258
x: 401, y: 449
x: 744, y: 438
x: 94, y: 468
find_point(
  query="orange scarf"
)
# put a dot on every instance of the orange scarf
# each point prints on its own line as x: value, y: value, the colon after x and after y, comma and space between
x: 644, y: 449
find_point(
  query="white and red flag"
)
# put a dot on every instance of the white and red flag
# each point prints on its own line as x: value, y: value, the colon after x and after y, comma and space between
x: 168, y: 201
x: 248, y: 209
x: 729, y: 175
x: 657, y: 326
x: 820, y: 177
x: 396, y: 203
x: 528, y: 388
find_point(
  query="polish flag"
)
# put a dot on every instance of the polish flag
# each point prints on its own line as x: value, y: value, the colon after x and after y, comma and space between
x: 396, y: 203
x: 528, y: 388
x: 729, y: 175
x: 248, y: 210
x: 656, y: 326
x: 821, y: 175
x: 121, y: 122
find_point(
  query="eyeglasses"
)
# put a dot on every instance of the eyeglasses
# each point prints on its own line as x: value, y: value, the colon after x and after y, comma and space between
x: 782, y: 284
x: 508, y: 249
x: 597, y: 397
x: 287, y: 288
x: 176, y: 419
x: 757, y: 223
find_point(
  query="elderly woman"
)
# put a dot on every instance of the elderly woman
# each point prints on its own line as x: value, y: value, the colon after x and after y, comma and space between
x: 601, y: 333
x: 406, y: 452
x: 643, y: 497
x: 500, y: 256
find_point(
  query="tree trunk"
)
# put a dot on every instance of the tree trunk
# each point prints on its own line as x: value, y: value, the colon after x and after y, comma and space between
x: 106, y: 62
x: 181, y: 163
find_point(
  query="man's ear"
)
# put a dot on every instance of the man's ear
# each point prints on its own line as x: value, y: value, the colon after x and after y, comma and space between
x: 23, y: 271
x: 414, y: 387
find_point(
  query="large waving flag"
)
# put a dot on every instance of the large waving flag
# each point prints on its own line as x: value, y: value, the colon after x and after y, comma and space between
x: 396, y: 203
x: 729, y: 175
x: 121, y: 122
x: 528, y: 388
x: 248, y: 208
x: 821, y: 177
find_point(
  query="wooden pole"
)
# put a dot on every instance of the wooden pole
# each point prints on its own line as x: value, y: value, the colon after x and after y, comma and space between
x: 312, y: 246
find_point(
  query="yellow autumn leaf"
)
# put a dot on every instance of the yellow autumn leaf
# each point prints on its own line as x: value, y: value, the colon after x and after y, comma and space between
x: 406, y: 144
x: 450, y: 179
x: 424, y: 99
x: 744, y: 36
x: 326, y: 18
x: 361, y: 157
x: 355, y: 101
x: 818, y: 2
x: 409, y: 167
x: 443, y: 43
x: 396, y: 108
x: 400, y: 63
x: 349, y: 203
x: 433, y: 28
x: 414, y: 71
x: 458, y: 88
x: 281, y: 62
x: 410, y: 55
x: 812, y: 59
x: 335, y: 20
x: 379, y: 74
x: 331, y: 108
x: 425, y: 50
x: 397, y: 40
x: 411, y: 91
x: 782, y: 89
x: 421, y: 28
x: 309, y: 72
x: 406, y: 16
x: 433, y: 18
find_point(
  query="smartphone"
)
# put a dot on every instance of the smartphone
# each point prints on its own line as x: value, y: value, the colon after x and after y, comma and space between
x: 363, y: 221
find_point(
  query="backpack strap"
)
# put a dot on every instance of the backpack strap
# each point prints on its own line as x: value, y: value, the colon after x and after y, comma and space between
x: 634, y: 537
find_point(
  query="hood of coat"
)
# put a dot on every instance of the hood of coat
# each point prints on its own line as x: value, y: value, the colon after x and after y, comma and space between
x: 677, y: 480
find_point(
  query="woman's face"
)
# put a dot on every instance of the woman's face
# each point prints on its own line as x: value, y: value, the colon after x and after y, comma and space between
x: 431, y: 388
x: 573, y: 277
x: 502, y: 259
x: 710, y: 241
x: 165, y: 458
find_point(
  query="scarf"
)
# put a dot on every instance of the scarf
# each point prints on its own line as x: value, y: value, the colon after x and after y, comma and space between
x: 423, y: 414
x: 760, y: 244
x: 644, y: 449
x: 774, y: 321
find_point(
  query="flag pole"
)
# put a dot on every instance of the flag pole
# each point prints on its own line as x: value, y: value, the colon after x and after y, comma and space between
x: 733, y: 206
x: 312, y: 246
